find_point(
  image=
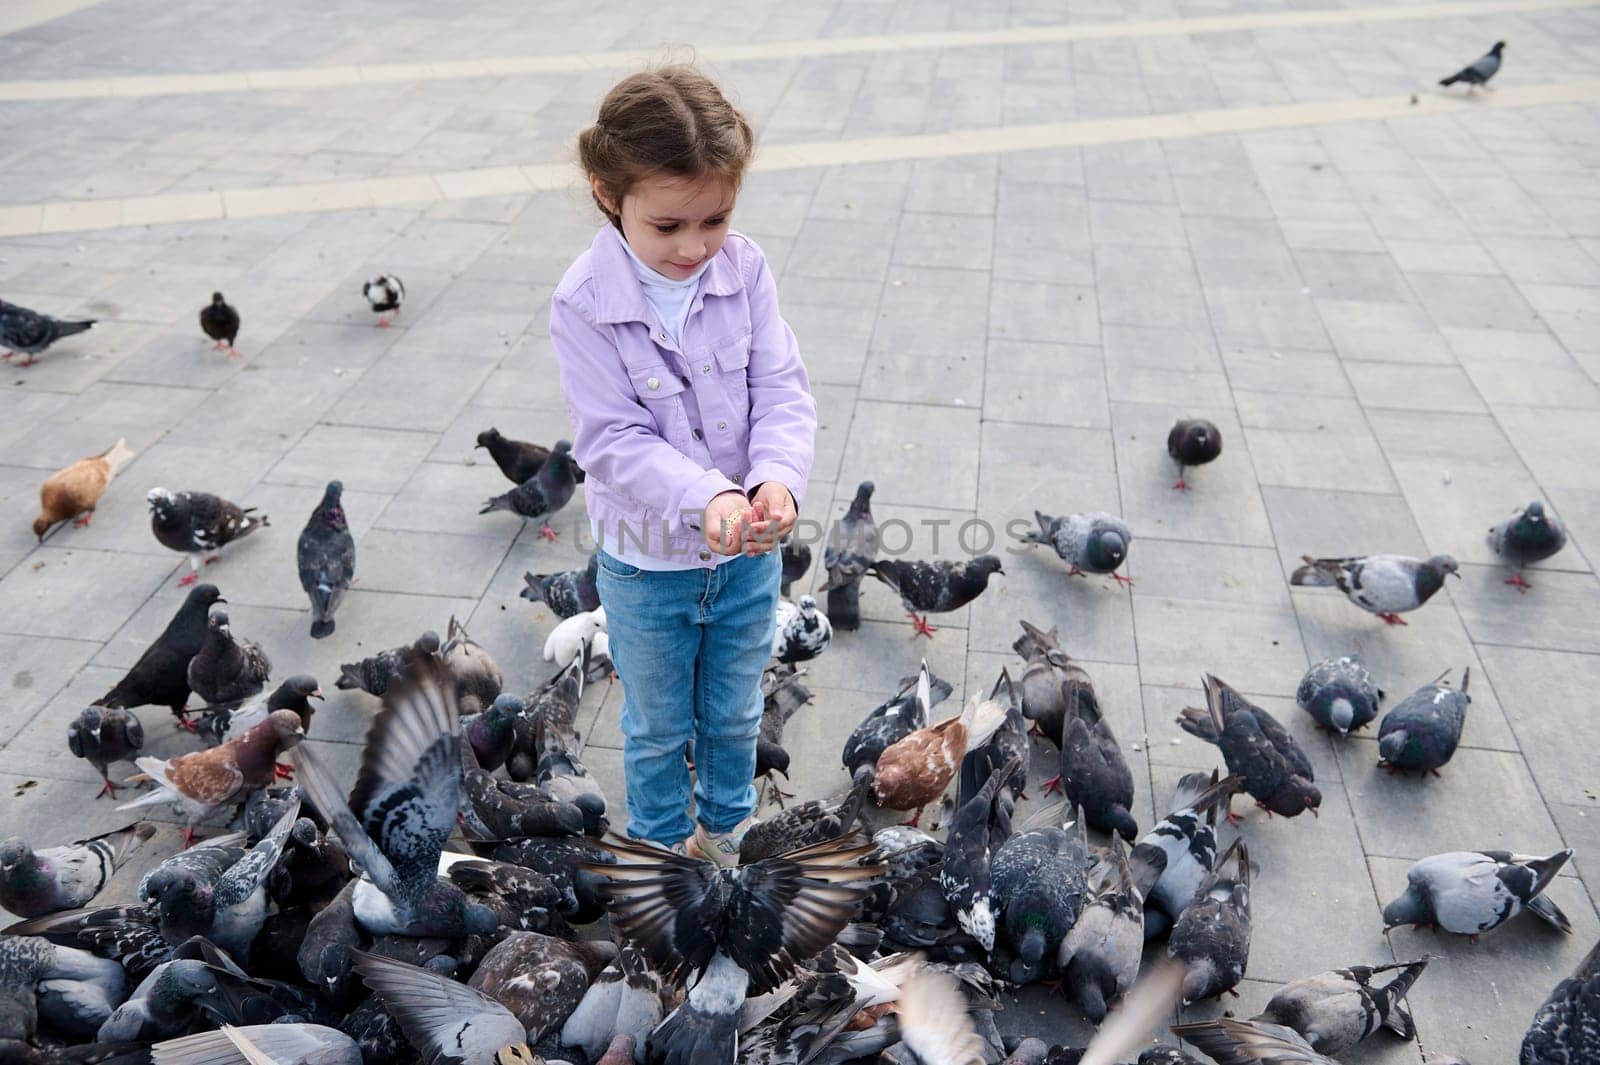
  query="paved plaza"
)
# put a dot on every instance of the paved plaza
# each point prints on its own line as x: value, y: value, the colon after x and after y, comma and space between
x: 1015, y: 240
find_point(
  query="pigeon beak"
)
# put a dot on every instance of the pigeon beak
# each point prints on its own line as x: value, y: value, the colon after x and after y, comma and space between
x: 317, y: 694
x: 1314, y: 813
x: 221, y: 600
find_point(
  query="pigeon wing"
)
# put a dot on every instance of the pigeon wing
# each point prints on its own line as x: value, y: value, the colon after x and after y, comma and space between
x: 1235, y: 1042
x: 667, y: 905
x: 436, y: 1012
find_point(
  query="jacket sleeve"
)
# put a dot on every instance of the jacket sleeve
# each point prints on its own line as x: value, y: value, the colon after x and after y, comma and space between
x: 614, y: 436
x: 783, y: 414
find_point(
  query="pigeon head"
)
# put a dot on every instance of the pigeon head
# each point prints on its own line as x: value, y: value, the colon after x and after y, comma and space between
x: 161, y: 502
x: 293, y: 693
x: 1499, y: 46
x: 1126, y: 826
x: 1396, y: 747
x: 977, y: 921
x: 1090, y: 982
x: 1534, y: 511
x: 427, y: 643
x: 217, y: 300
x: 204, y: 595
x: 184, y: 904
x: 862, y: 503
x: 1412, y: 907
x: 1029, y: 962
x: 808, y: 605
x: 488, y: 438
x: 506, y: 705
x: 287, y: 727
x: 478, y: 920
x: 1342, y: 712
x: 304, y: 833
x: 1107, y: 549
x: 1443, y: 565
x: 1296, y: 797
x: 14, y: 852
x: 332, y: 508
x: 563, y: 447
x: 192, y: 978
x: 92, y: 719
x: 773, y: 757
x: 218, y: 622
x: 985, y: 565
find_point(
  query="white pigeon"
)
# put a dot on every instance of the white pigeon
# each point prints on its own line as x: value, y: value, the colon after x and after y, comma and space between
x: 802, y: 631
x: 566, y: 641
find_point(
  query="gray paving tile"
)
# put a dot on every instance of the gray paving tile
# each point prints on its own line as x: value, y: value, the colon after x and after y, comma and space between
x: 1265, y: 319
x: 1536, y: 685
x: 951, y: 241
x: 1059, y: 314
x: 1182, y: 637
x: 914, y: 454
x: 78, y: 594
x: 1300, y: 372
x: 365, y: 459
x: 462, y: 564
x: 1523, y: 368
x: 1472, y: 302
x: 1048, y: 384
x: 1412, y: 387
x: 1382, y: 332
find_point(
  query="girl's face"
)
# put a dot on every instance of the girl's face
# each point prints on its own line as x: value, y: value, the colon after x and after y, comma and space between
x: 675, y: 224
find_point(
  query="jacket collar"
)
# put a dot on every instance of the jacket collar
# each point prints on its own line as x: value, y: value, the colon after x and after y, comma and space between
x: 620, y: 298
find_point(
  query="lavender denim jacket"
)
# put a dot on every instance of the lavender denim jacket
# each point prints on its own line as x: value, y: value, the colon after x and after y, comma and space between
x: 659, y: 431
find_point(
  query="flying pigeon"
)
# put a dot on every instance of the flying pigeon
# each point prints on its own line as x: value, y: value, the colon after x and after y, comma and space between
x: 566, y: 593
x: 161, y: 675
x: 401, y: 810
x: 741, y: 930
x: 935, y: 587
x: 1529, y: 535
x: 220, y: 321
x: 1088, y: 543
x: 1422, y: 731
x: 261, y: 1044
x: 196, y: 522
x: 544, y: 493
x: 1567, y: 1027
x: 1339, y: 694
x: 34, y: 883
x: 852, y: 546
x: 225, y: 670
x: 1270, y: 764
x: 1099, y: 958
x: 102, y: 735
x: 801, y: 632
x: 28, y: 332
x: 1212, y: 938
x: 1472, y: 892
x: 72, y: 493
x: 326, y: 557
x: 1193, y: 442
x: 1480, y: 70
x: 384, y: 294
x: 1333, y: 1011
x: 1180, y: 852
x: 1385, y: 585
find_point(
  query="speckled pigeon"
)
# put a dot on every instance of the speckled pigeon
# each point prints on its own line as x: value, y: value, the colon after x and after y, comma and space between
x: 1087, y: 543
x: 1177, y: 855
x: 852, y: 546
x: 544, y: 493
x: 1472, y: 892
x: 1339, y: 694
x: 28, y: 332
x: 964, y: 871
x: 1212, y: 938
x: 1566, y: 1030
x: 326, y: 556
x: 1385, y: 585
x: 1422, y: 731
x: 196, y: 522
x: 894, y: 719
x: 568, y: 593
x: 376, y: 674
x: 801, y: 631
x: 1335, y: 1010
x: 1530, y: 535
x: 102, y: 735
x: 444, y: 1019
x: 1040, y: 878
x: 935, y: 587
x: 1273, y: 768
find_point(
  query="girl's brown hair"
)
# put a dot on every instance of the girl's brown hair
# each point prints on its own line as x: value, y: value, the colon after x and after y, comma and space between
x: 671, y: 120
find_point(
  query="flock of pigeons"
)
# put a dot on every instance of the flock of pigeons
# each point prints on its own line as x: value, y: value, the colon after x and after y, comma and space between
x: 465, y: 902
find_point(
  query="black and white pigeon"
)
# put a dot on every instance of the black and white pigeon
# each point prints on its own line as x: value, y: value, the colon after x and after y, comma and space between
x: 1230, y: 1041
x: 964, y: 871
x: 782, y: 696
x: 1472, y: 892
x: 816, y: 821
x: 1259, y: 750
x: 36, y: 882
x: 1040, y: 878
x: 219, y: 724
x: 225, y: 670
x: 1335, y: 1010
x: 1423, y: 729
x: 1339, y: 694
x: 736, y: 932
x: 326, y: 556
x: 161, y: 675
x: 384, y: 294
x: 1192, y: 442
x: 1530, y: 535
x: 1087, y: 543
x: 1480, y: 70
x: 1179, y: 853
x: 194, y: 523
x: 893, y: 720
x: 375, y: 675
x: 1099, y: 958
x: 1212, y: 938
x: 935, y: 587
x: 1094, y: 774
x: 447, y: 1022
x: 219, y: 320
x: 402, y: 810
x: 796, y: 559
x: 1566, y: 1030
x: 568, y: 593
x: 544, y: 493
x: 801, y: 632
x: 104, y: 734
x: 1385, y: 585
x: 852, y: 547
x: 25, y: 332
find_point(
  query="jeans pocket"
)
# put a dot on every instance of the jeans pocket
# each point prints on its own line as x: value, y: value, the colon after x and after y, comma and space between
x: 615, y: 567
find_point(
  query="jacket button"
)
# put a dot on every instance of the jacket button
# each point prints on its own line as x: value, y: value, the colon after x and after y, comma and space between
x: 705, y: 555
x: 698, y: 435
x: 722, y: 426
x: 706, y: 368
x: 653, y: 383
x: 661, y: 336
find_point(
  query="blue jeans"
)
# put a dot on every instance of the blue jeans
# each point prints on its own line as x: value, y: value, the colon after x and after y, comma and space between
x: 689, y: 647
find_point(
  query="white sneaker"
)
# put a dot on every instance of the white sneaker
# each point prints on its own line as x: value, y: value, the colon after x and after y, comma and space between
x: 721, y: 848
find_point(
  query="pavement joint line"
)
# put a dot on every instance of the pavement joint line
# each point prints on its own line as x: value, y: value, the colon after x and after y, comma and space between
x: 18, y: 15
x: 330, y: 76
x: 69, y: 216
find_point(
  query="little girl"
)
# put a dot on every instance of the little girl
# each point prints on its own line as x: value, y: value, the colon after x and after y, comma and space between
x: 693, y: 418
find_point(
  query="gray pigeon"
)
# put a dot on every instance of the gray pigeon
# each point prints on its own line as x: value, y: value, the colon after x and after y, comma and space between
x: 34, y: 883
x: 404, y: 801
x: 1094, y: 774
x: 625, y: 999
x: 446, y: 1021
x: 1421, y: 732
x: 1472, y: 892
x: 852, y: 546
x: 1087, y: 543
x: 1212, y: 938
x: 1192, y: 442
x: 1047, y: 680
x: 28, y: 332
x: 1259, y: 750
x: 239, y: 896
x: 560, y: 771
x: 1385, y: 585
x: 478, y: 677
x: 219, y: 724
x: 73, y: 990
x: 935, y: 587
x: 226, y: 671
x: 544, y: 493
x: 1335, y: 1010
x: 1099, y: 958
x: 796, y: 559
x: 326, y: 556
x: 1339, y: 694
x: 1236, y: 1042
x: 197, y: 522
x: 1480, y: 70
x: 1529, y: 535
x: 102, y: 735
x: 1040, y: 878
x: 801, y: 631
x: 1180, y: 852
x: 374, y: 675
x: 260, y: 1044
x: 1566, y: 1030
x: 164, y: 1004
x: 568, y: 593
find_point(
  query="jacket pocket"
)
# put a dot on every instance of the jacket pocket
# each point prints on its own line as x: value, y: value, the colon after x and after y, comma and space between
x: 733, y: 367
x: 660, y: 390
